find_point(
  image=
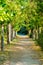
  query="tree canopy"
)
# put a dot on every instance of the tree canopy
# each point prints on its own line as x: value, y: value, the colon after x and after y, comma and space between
x: 20, y: 13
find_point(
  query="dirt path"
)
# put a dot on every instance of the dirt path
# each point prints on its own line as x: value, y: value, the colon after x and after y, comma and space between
x: 24, y: 53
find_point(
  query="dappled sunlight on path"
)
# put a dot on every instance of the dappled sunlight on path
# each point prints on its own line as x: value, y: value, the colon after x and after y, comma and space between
x: 23, y: 52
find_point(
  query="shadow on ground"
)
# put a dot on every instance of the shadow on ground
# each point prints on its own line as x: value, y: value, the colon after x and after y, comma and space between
x: 23, y: 52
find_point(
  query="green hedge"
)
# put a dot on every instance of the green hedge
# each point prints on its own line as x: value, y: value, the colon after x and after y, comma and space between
x: 40, y: 40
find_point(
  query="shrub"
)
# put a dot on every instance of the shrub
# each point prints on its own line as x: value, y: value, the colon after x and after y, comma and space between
x: 40, y: 40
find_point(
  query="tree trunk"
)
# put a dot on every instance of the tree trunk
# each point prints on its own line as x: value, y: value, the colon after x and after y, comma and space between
x: 2, y: 38
x: 8, y: 33
x: 40, y: 29
x: 8, y: 42
x: 29, y: 32
x: 11, y: 33
x: 34, y: 34
x: 37, y: 32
